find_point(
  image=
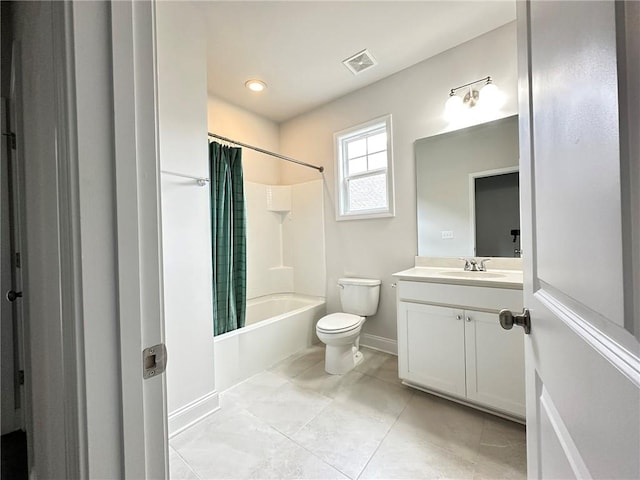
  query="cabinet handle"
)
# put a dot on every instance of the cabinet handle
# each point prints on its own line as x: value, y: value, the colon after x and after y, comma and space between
x: 458, y: 317
x: 468, y: 319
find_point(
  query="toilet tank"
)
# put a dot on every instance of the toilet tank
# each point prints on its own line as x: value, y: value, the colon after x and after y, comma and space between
x: 359, y: 296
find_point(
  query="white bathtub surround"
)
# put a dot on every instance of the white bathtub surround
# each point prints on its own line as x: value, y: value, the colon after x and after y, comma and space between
x: 277, y: 326
x: 280, y: 280
x: 304, y: 239
x: 285, y: 239
x: 271, y: 307
x: 279, y: 198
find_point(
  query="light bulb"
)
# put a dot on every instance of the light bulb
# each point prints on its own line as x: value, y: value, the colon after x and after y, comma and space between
x: 490, y: 96
x: 255, y: 85
x: 453, y: 108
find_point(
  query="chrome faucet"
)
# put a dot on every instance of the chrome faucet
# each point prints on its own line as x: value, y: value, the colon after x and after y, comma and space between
x: 471, y: 264
x: 483, y: 267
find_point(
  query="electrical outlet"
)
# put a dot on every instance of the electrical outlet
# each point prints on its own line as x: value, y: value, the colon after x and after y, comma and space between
x: 447, y: 234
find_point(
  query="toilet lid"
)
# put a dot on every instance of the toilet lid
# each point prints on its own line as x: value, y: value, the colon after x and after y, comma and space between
x: 339, y: 322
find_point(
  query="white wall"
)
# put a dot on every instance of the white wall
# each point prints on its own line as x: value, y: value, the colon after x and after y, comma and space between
x: 238, y: 124
x: 415, y: 97
x: 186, y: 224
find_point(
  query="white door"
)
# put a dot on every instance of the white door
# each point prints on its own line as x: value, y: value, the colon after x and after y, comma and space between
x: 582, y: 359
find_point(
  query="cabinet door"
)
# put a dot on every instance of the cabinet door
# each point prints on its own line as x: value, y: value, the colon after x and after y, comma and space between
x: 431, y: 347
x: 495, y: 363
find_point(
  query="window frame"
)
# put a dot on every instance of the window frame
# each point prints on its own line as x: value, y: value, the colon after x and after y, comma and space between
x: 340, y: 140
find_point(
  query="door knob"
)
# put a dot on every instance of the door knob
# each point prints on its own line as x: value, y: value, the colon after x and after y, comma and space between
x: 508, y: 320
x: 12, y: 295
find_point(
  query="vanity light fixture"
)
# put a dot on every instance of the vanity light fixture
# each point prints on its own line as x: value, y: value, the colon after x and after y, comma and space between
x: 255, y: 85
x: 487, y: 97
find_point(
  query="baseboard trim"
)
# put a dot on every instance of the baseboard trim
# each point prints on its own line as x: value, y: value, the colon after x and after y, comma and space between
x: 193, y: 412
x: 382, y: 344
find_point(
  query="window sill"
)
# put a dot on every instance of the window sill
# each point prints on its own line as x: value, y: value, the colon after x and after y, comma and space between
x: 364, y: 216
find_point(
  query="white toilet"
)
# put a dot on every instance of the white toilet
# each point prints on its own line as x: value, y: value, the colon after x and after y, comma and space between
x: 340, y: 332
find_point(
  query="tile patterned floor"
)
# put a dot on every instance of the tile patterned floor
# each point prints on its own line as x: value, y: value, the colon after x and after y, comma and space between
x: 295, y: 421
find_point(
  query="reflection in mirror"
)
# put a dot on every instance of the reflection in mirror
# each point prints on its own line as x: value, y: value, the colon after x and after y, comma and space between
x: 496, y: 212
x: 467, y: 191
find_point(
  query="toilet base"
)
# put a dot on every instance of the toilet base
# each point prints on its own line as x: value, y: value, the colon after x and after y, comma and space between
x: 340, y: 359
x: 358, y: 357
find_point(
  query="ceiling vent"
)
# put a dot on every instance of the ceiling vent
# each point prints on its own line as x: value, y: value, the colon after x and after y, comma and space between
x: 360, y: 62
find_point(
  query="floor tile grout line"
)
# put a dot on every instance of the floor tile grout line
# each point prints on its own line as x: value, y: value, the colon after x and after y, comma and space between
x: 292, y: 381
x: 307, y: 390
x: 399, y: 384
x: 314, y: 417
x: 286, y: 380
x: 290, y: 437
x: 184, y: 460
x: 384, y: 438
x: 316, y: 456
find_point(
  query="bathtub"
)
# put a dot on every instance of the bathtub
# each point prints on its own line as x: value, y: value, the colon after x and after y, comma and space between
x: 276, y: 326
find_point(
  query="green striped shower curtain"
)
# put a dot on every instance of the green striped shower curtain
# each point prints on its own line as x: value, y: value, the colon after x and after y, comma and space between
x: 229, y: 238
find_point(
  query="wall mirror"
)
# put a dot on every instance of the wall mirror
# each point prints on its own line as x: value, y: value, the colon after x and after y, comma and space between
x: 467, y: 191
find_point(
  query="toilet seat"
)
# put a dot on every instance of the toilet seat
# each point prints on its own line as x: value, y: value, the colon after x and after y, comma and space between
x: 339, y: 323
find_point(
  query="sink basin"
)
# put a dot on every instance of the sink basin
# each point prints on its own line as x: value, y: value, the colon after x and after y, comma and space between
x: 468, y: 274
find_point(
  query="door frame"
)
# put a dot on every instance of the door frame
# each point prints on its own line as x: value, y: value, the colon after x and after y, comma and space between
x: 472, y: 195
x: 139, y: 237
x: 136, y: 437
x: 14, y: 419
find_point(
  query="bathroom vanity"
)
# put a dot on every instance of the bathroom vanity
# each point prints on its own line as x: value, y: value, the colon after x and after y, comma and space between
x: 450, y: 341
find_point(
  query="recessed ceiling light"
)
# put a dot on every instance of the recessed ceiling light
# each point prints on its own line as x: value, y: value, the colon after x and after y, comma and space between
x: 255, y: 85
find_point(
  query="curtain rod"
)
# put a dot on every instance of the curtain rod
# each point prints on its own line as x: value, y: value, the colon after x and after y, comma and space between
x: 266, y: 152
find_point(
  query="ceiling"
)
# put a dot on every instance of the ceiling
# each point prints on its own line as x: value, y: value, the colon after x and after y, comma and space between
x: 297, y: 47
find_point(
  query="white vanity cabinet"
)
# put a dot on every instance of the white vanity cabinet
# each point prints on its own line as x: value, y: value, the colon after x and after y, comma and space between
x: 450, y: 342
x: 431, y: 347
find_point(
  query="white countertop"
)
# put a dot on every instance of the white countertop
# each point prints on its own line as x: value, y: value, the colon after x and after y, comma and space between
x: 458, y: 276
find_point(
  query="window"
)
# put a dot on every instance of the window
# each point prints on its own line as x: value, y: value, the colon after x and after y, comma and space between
x: 365, y: 171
